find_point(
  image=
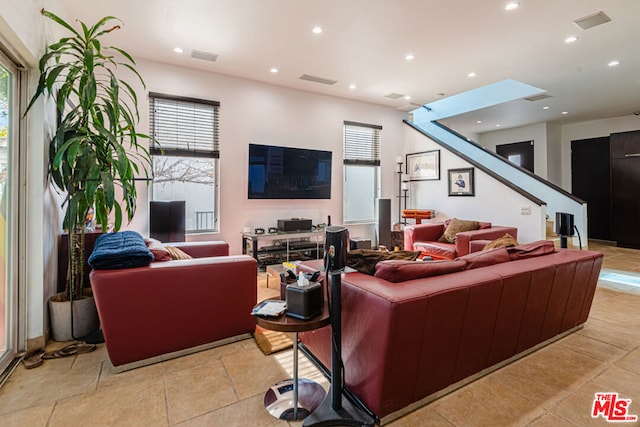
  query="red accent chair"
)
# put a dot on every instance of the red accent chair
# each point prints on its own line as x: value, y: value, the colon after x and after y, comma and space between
x: 424, y: 238
x: 171, y: 308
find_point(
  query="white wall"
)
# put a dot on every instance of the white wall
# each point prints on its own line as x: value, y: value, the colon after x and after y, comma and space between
x: 493, y: 202
x: 536, y: 133
x: 254, y: 112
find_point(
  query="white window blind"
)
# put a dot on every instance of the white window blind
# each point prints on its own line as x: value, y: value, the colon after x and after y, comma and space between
x: 184, y: 126
x: 361, y: 144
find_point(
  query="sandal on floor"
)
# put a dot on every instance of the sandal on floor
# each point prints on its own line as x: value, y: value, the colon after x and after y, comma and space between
x: 33, y: 359
x: 70, y: 350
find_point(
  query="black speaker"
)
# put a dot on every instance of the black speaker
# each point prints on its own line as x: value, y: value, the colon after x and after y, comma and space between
x: 336, y: 243
x: 564, y: 224
x: 167, y: 220
x: 384, y: 222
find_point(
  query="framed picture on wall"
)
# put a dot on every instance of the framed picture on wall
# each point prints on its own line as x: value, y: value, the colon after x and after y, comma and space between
x: 461, y: 182
x: 423, y: 166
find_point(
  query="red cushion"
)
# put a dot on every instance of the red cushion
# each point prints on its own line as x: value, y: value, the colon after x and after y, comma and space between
x: 533, y: 249
x: 437, y: 250
x: 485, y: 258
x: 399, y: 271
x: 159, y: 252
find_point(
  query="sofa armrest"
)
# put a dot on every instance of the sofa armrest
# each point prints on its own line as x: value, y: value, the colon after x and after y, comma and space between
x: 429, y: 232
x: 463, y: 239
x: 211, y: 248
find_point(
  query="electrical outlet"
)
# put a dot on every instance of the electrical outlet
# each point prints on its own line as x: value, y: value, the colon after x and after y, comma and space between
x: 525, y: 210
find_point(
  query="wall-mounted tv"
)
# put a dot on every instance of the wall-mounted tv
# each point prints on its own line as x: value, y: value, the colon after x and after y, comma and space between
x: 288, y: 173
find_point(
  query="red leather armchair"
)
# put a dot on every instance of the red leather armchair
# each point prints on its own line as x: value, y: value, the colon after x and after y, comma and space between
x: 171, y: 308
x: 424, y: 238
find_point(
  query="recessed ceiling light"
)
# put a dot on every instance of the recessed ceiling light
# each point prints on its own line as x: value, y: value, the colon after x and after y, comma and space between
x: 471, y: 74
x: 546, y: 107
x: 409, y: 57
x: 614, y: 63
x: 571, y: 39
x: 512, y: 5
x: 565, y: 113
x: 352, y: 86
x: 178, y: 50
x: 498, y: 125
x: 407, y: 97
x: 274, y: 70
x: 317, y: 29
x: 478, y: 121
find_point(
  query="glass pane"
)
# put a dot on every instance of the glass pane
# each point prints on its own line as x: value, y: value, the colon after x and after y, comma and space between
x: 5, y: 116
x: 192, y: 180
x: 360, y: 192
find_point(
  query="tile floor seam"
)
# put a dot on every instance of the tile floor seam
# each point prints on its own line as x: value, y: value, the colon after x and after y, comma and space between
x: 165, y: 395
x: 233, y: 384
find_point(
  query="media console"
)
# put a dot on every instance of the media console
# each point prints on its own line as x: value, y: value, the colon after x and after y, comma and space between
x: 274, y: 248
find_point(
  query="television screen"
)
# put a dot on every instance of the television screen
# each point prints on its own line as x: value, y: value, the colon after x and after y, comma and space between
x: 288, y: 173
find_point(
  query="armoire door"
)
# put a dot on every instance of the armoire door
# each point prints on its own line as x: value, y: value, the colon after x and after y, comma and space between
x: 625, y: 188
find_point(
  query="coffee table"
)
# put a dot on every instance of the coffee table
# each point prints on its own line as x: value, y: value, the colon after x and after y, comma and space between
x: 307, y: 394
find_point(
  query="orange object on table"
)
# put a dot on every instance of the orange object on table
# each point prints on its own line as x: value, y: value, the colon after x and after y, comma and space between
x: 418, y: 214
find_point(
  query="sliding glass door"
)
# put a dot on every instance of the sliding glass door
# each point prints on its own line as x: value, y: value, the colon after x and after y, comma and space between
x: 8, y: 145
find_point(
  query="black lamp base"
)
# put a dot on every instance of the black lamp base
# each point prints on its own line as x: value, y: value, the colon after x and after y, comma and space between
x: 347, y: 415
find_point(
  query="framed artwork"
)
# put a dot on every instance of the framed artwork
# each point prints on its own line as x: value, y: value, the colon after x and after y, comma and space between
x: 423, y: 166
x: 461, y: 182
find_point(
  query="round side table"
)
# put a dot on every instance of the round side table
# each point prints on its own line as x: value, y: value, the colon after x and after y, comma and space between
x: 307, y: 394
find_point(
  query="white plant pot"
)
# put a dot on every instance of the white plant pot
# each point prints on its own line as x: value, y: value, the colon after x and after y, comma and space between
x: 85, y: 318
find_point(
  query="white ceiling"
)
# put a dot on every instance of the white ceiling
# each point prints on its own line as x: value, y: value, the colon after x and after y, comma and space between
x: 365, y: 42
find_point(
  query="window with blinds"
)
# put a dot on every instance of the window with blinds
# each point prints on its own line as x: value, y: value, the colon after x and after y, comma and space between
x: 184, y: 125
x: 185, y: 153
x: 361, y: 144
x: 361, y: 185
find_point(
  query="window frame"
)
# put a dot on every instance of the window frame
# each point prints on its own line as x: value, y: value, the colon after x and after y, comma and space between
x: 185, y: 149
x: 361, y: 151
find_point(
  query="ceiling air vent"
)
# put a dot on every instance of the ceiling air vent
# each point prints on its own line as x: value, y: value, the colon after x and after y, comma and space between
x: 394, y: 95
x: 592, y: 20
x: 317, y: 79
x: 205, y: 56
x: 538, y: 97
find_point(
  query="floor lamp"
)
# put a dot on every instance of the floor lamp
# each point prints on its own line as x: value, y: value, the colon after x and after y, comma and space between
x: 336, y: 409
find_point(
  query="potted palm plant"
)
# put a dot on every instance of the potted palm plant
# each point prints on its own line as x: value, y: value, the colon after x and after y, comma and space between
x: 95, y: 153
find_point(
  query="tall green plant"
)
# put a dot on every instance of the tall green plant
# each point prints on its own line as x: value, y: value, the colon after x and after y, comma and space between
x: 98, y: 114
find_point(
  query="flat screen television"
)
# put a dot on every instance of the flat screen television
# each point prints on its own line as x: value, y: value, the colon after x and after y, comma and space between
x: 288, y: 173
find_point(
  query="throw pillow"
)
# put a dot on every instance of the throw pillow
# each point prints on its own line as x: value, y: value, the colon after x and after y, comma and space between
x: 160, y: 253
x: 485, y: 258
x: 399, y: 271
x: 503, y: 242
x: 530, y: 250
x: 457, y: 226
x: 177, y: 253
x: 365, y: 260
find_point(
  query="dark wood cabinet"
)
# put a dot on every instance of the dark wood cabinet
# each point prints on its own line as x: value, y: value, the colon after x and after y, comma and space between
x: 63, y: 258
x: 625, y: 188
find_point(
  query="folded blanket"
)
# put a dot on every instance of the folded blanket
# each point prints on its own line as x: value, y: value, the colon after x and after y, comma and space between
x: 123, y: 249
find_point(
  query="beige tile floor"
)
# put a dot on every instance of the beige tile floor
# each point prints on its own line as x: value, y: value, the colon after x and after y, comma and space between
x: 224, y: 386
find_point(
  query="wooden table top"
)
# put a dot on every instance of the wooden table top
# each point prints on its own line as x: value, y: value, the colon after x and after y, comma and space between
x: 286, y: 323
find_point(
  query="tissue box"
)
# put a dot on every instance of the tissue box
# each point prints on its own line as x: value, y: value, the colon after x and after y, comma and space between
x: 304, y: 302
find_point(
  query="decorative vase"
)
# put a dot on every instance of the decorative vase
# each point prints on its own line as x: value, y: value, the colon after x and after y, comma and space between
x: 85, y: 318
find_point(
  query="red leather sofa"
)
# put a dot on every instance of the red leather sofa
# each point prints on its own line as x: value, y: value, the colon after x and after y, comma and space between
x: 169, y: 308
x: 406, y: 343
x: 424, y: 238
